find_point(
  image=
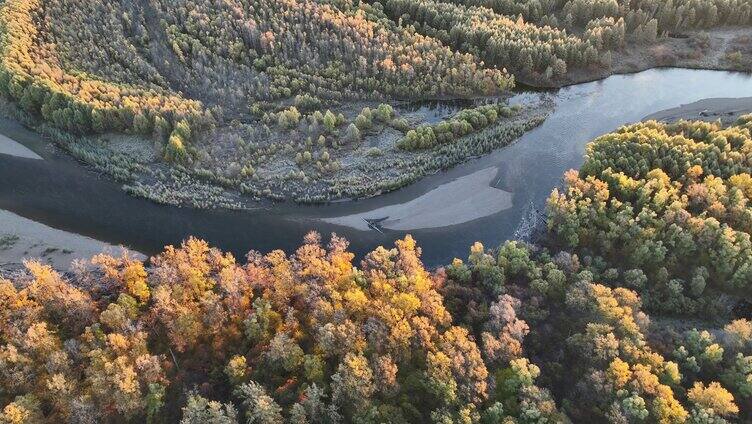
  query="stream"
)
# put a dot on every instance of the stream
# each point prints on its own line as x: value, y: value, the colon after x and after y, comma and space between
x: 484, y: 199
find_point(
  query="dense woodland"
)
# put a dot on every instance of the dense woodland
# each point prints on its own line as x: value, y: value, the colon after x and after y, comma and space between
x: 54, y: 61
x: 631, y: 307
x: 208, y: 80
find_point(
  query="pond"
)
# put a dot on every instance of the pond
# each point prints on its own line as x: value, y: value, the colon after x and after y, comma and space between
x: 483, y: 200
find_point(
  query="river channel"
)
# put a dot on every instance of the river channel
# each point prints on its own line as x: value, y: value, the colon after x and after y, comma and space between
x: 485, y: 199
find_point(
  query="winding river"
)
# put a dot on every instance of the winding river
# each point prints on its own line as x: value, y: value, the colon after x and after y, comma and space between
x: 482, y: 200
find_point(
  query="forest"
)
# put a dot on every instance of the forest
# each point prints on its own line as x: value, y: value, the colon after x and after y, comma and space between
x: 218, y: 104
x: 630, y: 306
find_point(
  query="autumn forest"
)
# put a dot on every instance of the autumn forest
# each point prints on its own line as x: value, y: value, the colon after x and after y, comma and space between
x: 626, y: 302
x: 605, y: 319
x: 226, y: 103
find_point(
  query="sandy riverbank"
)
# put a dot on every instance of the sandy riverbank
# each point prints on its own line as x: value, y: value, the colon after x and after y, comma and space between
x: 14, y: 148
x: 22, y: 238
x: 727, y: 110
x: 474, y: 196
x: 463, y: 200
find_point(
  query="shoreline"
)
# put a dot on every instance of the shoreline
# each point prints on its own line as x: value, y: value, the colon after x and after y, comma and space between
x: 455, y: 202
x: 532, y: 86
x: 727, y: 109
x: 251, y: 203
x: 666, y: 53
x: 22, y: 239
x: 11, y: 147
x: 474, y: 196
x: 177, y: 186
x: 58, y: 191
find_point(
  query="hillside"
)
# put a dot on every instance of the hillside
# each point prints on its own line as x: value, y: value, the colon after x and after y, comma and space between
x: 210, y: 103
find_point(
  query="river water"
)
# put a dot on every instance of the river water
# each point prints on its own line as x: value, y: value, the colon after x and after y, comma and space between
x: 445, y: 212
